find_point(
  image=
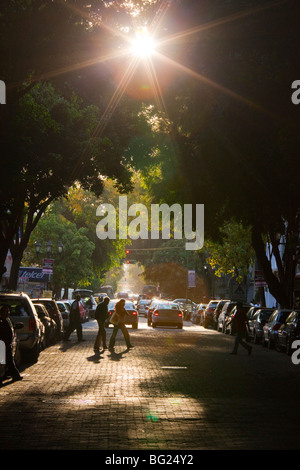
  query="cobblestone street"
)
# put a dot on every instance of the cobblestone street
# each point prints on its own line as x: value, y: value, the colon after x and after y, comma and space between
x: 177, y: 389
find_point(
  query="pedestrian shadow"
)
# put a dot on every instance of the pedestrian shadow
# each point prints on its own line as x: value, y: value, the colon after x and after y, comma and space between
x: 117, y: 356
x: 96, y: 357
x: 66, y: 346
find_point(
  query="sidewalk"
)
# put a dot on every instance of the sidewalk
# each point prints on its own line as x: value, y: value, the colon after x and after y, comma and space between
x: 175, y: 390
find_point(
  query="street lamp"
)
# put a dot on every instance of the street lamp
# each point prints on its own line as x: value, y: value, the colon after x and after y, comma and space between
x: 49, y: 245
x: 37, y: 247
x: 60, y: 247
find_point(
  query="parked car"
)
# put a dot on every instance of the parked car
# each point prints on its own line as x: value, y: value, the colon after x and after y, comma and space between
x: 22, y: 310
x: 167, y: 314
x: 230, y: 325
x: 209, y: 313
x: 48, y: 322
x: 252, y: 311
x: 64, y: 308
x: 131, y: 319
x: 228, y: 306
x: 288, y: 332
x: 197, y: 315
x: 152, y: 306
x: 88, y: 301
x: 84, y: 311
x: 257, y: 323
x: 16, y: 353
x: 271, y: 328
x: 90, y: 305
x: 187, y: 306
x: 54, y: 313
x: 217, y: 312
x: 142, y: 306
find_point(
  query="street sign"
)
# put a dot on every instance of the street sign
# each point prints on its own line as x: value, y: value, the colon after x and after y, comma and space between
x: 191, y: 279
x: 48, y: 266
x: 259, y: 280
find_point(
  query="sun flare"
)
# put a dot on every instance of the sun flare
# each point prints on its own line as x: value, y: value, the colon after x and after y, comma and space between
x: 143, y: 45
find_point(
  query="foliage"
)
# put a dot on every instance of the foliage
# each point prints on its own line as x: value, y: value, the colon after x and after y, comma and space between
x: 234, y: 253
x: 74, y: 265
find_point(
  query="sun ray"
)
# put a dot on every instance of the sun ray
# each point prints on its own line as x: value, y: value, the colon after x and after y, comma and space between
x: 109, y: 110
x: 221, y: 88
x: 150, y: 66
x: 219, y: 22
x: 158, y: 94
x: 72, y: 68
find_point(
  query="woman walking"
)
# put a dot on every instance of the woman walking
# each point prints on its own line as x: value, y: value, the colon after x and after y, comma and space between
x: 120, y: 314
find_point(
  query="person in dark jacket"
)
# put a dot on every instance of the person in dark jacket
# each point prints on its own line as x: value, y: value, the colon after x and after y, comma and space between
x: 75, y: 320
x: 121, y: 312
x: 6, y: 335
x: 242, y: 326
x: 101, y: 314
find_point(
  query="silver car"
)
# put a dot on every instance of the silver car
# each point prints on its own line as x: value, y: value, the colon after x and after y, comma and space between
x: 22, y: 310
x: 167, y: 314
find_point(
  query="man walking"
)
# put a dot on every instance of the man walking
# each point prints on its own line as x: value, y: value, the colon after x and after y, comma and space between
x: 75, y: 320
x: 242, y: 326
x: 101, y: 315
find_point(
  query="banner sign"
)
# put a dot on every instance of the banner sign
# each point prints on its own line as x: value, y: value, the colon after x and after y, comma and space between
x: 48, y: 266
x: 191, y: 278
x: 259, y: 280
x: 32, y: 275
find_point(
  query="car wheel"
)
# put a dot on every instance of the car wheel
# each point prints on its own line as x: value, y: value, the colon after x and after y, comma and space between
x: 18, y: 357
x: 33, y: 354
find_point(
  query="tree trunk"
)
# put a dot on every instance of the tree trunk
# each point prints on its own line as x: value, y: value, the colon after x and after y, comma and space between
x: 276, y: 287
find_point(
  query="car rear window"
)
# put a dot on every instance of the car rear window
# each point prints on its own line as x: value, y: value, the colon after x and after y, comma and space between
x: 265, y: 315
x: 168, y: 306
x: 18, y: 307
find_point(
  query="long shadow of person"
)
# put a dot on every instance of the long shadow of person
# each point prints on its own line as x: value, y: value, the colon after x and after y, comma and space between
x: 117, y: 356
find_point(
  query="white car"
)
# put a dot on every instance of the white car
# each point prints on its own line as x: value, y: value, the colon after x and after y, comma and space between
x: 143, y: 305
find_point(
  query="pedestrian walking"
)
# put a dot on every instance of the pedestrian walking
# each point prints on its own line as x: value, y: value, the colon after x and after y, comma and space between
x: 101, y: 314
x: 75, y: 320
x: 120, y: 314
x: 242, y: 327
x: 7, y: 335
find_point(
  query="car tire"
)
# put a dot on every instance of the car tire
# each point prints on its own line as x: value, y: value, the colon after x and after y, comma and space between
x: 34, y: 353
x: 18, y: 357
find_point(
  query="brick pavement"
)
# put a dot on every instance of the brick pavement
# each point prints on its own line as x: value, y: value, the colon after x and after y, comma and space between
x: 174, y: 390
